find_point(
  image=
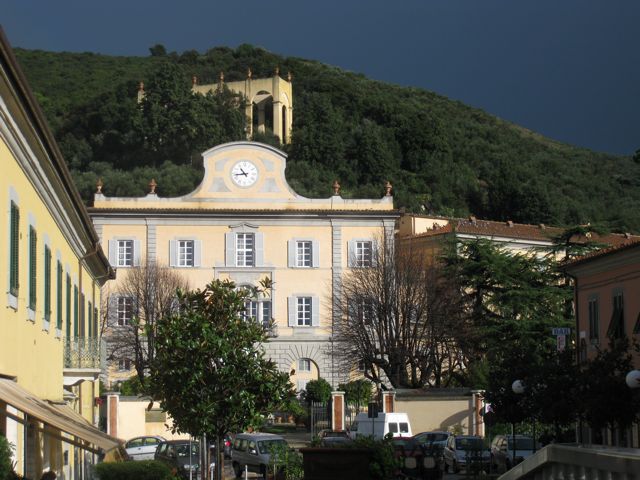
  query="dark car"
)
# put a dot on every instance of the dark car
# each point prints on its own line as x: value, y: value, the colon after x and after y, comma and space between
x: 182, y: 456
x: 416, y: 461
x: 434, y: 442
x: 466, y: 452
x: 330, y: 438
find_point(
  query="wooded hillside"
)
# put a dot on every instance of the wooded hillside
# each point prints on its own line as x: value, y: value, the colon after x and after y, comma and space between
x: 440, y: 155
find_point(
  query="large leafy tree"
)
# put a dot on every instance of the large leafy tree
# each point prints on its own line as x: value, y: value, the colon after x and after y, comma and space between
x: 210, y: 373
x: 400, y: 319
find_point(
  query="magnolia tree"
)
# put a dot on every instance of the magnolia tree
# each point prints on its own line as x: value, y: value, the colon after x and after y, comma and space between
x: 209, y: 372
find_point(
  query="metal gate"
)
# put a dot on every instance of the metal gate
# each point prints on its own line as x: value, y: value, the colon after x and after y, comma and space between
x: 320, y: 417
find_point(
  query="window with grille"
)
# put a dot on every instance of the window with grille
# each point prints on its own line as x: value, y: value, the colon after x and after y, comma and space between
x: 14, y: 251
x: 304, y: 253
x: 185, y: 253
x: 259, y: 310
x: 363, y: 253
x: 124, y: 311
x: 304, y: 365
x: 303, y: 311
x: 124, y: 253
x: 124, y: 364
x: 245, y: 249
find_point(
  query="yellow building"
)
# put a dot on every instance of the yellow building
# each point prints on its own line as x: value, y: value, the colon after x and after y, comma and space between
x: 245, y: 223
x: 53, y: 271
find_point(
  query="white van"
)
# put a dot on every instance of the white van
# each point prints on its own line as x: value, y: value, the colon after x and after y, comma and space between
x: 396, y: 423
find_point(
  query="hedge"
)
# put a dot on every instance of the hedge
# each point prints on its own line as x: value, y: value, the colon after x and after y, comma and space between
x: 137, y: 470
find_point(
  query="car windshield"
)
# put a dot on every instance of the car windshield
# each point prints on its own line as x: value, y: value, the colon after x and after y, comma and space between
x: 407, y: 443
x: 435, y: 437
x: 522, y: 444
x: 182, y: 450
x: 469, y: 443
x: 268, y: 446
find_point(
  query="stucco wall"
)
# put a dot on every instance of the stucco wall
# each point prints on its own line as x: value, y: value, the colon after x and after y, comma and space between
x: 427, y: 414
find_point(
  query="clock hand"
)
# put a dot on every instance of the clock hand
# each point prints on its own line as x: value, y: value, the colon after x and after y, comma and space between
x: 243, y: 172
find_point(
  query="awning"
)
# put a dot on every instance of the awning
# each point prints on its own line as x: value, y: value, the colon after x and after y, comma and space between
x: 58, y: 416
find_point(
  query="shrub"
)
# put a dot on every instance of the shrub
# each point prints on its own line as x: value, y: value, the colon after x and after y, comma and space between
x: 5, y: 458
x: 142, y: 470
x: 383, y: 461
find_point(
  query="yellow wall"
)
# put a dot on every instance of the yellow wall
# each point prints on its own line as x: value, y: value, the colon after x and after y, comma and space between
x: 437, y: 414
x: 131, y: 421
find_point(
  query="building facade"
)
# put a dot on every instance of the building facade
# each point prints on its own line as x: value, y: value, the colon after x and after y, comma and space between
x: 245, y: 223
x: 53, y: 269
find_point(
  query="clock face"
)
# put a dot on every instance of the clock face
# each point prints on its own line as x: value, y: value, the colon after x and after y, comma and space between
x: 244, y: 173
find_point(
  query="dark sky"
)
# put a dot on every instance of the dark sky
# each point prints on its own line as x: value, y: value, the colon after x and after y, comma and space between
x: 569, y: 69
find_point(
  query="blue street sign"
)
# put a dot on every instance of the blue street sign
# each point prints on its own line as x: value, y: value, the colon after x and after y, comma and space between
x: 561, y: 331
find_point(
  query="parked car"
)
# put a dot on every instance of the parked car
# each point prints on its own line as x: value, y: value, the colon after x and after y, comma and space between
x: 253, y: 451
x: 182, y: 456
x: 416, y: 461
x: 143, y: 448
x: 468, y: 452
x: 330, y: 438
x: 502, y: 451
x: 435, y: 442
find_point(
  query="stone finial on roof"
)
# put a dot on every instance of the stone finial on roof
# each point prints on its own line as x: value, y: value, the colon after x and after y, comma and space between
x: 152, y: 186
x: 336, y: 187
x: 472, y: 219
x: 249, y: 73
x: 387, y: 189
x: 289, y: 77
x: 99, y: 186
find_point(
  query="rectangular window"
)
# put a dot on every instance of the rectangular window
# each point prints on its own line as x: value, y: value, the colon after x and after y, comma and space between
x: 304, y: 365
x: 245, y: 249
x: 616, y: 327
x: 304, y: 255
x: 258, y: 310
x: 361, y: 310
x: 303, y: 311
x: 594, y: 320
x: 14, y: 251
x: 90, y: 319
x: 185, y: 253
x: 33, y: 267
x: 363, y: 253
x: 47, y: 283
x: 124, y: 364
x: 124, y: 311
x: 59, y: 296
x: 75, y: 311
x: 124, y: 253
x: 68, y: 291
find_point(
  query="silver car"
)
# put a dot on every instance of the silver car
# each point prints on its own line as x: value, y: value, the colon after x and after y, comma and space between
x: 143, y: 448
x: 253, y: 451
x: 503, y: 456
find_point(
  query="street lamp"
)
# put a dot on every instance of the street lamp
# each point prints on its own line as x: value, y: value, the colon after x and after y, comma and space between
x: 518, y: 388
x: 633, y: 379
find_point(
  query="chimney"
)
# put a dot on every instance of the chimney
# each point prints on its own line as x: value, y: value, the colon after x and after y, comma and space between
x: 509, y: 224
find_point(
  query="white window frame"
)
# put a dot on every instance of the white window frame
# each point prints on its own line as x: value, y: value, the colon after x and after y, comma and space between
x: 260, y: 310
x: 300, y: 259
x: 179, y: 255
x: 123, y: 305
x: 304, y: 365
x: 124, y: 258
x: 119, y: 260
x: 358, y: 257
x: 245, y: 250
x: 295, y: 302
x: 304, y: 311
x: 123, y: 364
x: 232, y: 255
x: 186, y: 253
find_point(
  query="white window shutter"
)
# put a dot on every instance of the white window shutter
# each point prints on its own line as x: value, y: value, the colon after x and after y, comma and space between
x: 113, y: 252
x: 315, y: 252
x: 315, y: 312
x: 173, y: 258
x: 230, y: 249
x: 374, y: 253
x: 293, y: 311
x: 291, y: 249
x: 197, y: 253
x: 351, y: 252
x: 112, y: 310
x: 259, y: 246
x: 136, y: 253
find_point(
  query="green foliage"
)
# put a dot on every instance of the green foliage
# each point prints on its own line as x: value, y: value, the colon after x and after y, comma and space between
x: 210, y: 372
x: 131, y: 387
x: 317, y: 391
x: 139, y: 470
x: 383, y: 461
x: 285, y: 463
x: 442, y: 156
x: 356, y: 392
x: 6, y: 466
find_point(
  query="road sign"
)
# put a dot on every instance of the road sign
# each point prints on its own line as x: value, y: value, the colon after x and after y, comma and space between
x: 561, y: 342
x: 561, y: 331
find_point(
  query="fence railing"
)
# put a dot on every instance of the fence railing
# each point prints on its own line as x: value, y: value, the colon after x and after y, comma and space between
x: 82, y: 352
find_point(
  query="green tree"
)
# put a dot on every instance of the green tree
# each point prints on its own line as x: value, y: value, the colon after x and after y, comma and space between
x: 210, y: 372
x: 317, y: 391
x: 357, y: 392
x: 5, y: 458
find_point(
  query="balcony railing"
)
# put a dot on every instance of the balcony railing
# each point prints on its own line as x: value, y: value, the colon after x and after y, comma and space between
x: 82, y: 353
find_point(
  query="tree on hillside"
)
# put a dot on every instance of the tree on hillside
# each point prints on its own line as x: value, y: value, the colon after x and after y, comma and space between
x: 145, y: 295
x: 400, y: 320
x: 210, y: 372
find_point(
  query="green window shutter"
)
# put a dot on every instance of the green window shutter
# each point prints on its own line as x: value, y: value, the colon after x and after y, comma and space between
x: 47, y: 283
x: 14, y: 251
x: 90, y: 319
x: 75, y: 311
x: 33, y: 267
x: 95, y: 322
x: 68, y: 306
x: 59, y: 296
